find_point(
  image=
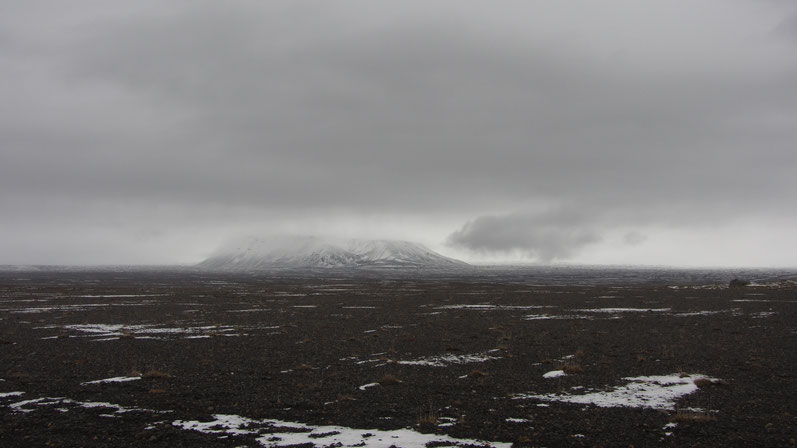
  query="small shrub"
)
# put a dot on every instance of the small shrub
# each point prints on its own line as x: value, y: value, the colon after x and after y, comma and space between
x: 738, y: 283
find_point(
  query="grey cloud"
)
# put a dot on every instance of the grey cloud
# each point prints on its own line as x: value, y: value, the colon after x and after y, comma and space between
x: 634, y: 238
x: 548, y: 236
x: 444, y: 112
x: 788, y: 27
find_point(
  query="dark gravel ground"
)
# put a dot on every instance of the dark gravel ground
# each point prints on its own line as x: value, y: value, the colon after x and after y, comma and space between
x: 298, y: 350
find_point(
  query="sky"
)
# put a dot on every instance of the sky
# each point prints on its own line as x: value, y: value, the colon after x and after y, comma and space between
x: 661, y: 132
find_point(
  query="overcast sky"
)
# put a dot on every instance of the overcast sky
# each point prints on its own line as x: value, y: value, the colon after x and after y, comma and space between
x: 614, y: 131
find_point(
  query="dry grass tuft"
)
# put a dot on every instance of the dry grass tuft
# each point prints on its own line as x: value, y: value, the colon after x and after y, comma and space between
x: 303, y: 366
x: 427, y: 416
x: 572, y: 368
x: 703, y: 382
x: 308, y: 386
x: 157, y: 391
x: 155, y: 374
x: 475, y: 373
x: 127, y: 334
x: 692, y: 417
x: 523, y: 440
x: 389, y: 380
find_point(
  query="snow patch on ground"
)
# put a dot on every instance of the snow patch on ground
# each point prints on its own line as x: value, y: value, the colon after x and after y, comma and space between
x: 106, y: 332
x: 555, y: 316
x: 554, y: 374
x: 277, y: 433
x: 79, y: 307
x: 653, y: 392
x: 705, y: 313
x: 28, y: 405
x: 518, y: 420
x: 623, y: 310
x: 445, y: 360
x: 121, y: 295
x: 490, y: 307
x: 10, y: 394
x: 117, y: 379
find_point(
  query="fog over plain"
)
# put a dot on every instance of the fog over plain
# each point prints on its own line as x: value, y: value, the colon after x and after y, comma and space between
x: 622, y: 132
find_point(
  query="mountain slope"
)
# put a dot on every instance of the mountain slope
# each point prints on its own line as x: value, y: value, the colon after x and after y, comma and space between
x: 313, y: 252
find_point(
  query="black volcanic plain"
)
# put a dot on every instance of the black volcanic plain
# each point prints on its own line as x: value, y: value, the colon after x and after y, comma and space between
x: 454, y: 356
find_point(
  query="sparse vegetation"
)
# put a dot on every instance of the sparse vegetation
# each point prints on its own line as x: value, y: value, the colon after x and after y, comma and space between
x: 692, y: 416
x: 738, y: 283
x: 257, y: 371
x: 155, y: 374
x: 126, y: 334
x: 572, y: 368
x: 523, y: 440
x: 703, y: 383
x: 389, y: 380
x: 427, y: 415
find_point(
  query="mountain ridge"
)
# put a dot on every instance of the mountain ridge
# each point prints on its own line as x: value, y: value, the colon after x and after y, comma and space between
x: 312, y: 252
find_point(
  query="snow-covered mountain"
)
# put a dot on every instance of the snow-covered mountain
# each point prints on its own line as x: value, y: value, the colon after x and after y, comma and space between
x: 313, y: 252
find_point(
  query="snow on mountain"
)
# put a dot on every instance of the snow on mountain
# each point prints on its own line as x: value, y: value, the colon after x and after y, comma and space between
x: 313, y: 252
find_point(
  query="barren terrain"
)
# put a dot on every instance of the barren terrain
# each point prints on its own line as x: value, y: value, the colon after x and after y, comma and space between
x: 193, y: 359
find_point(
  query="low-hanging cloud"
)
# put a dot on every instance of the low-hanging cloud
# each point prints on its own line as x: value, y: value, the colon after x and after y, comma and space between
x: 547, y: 236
